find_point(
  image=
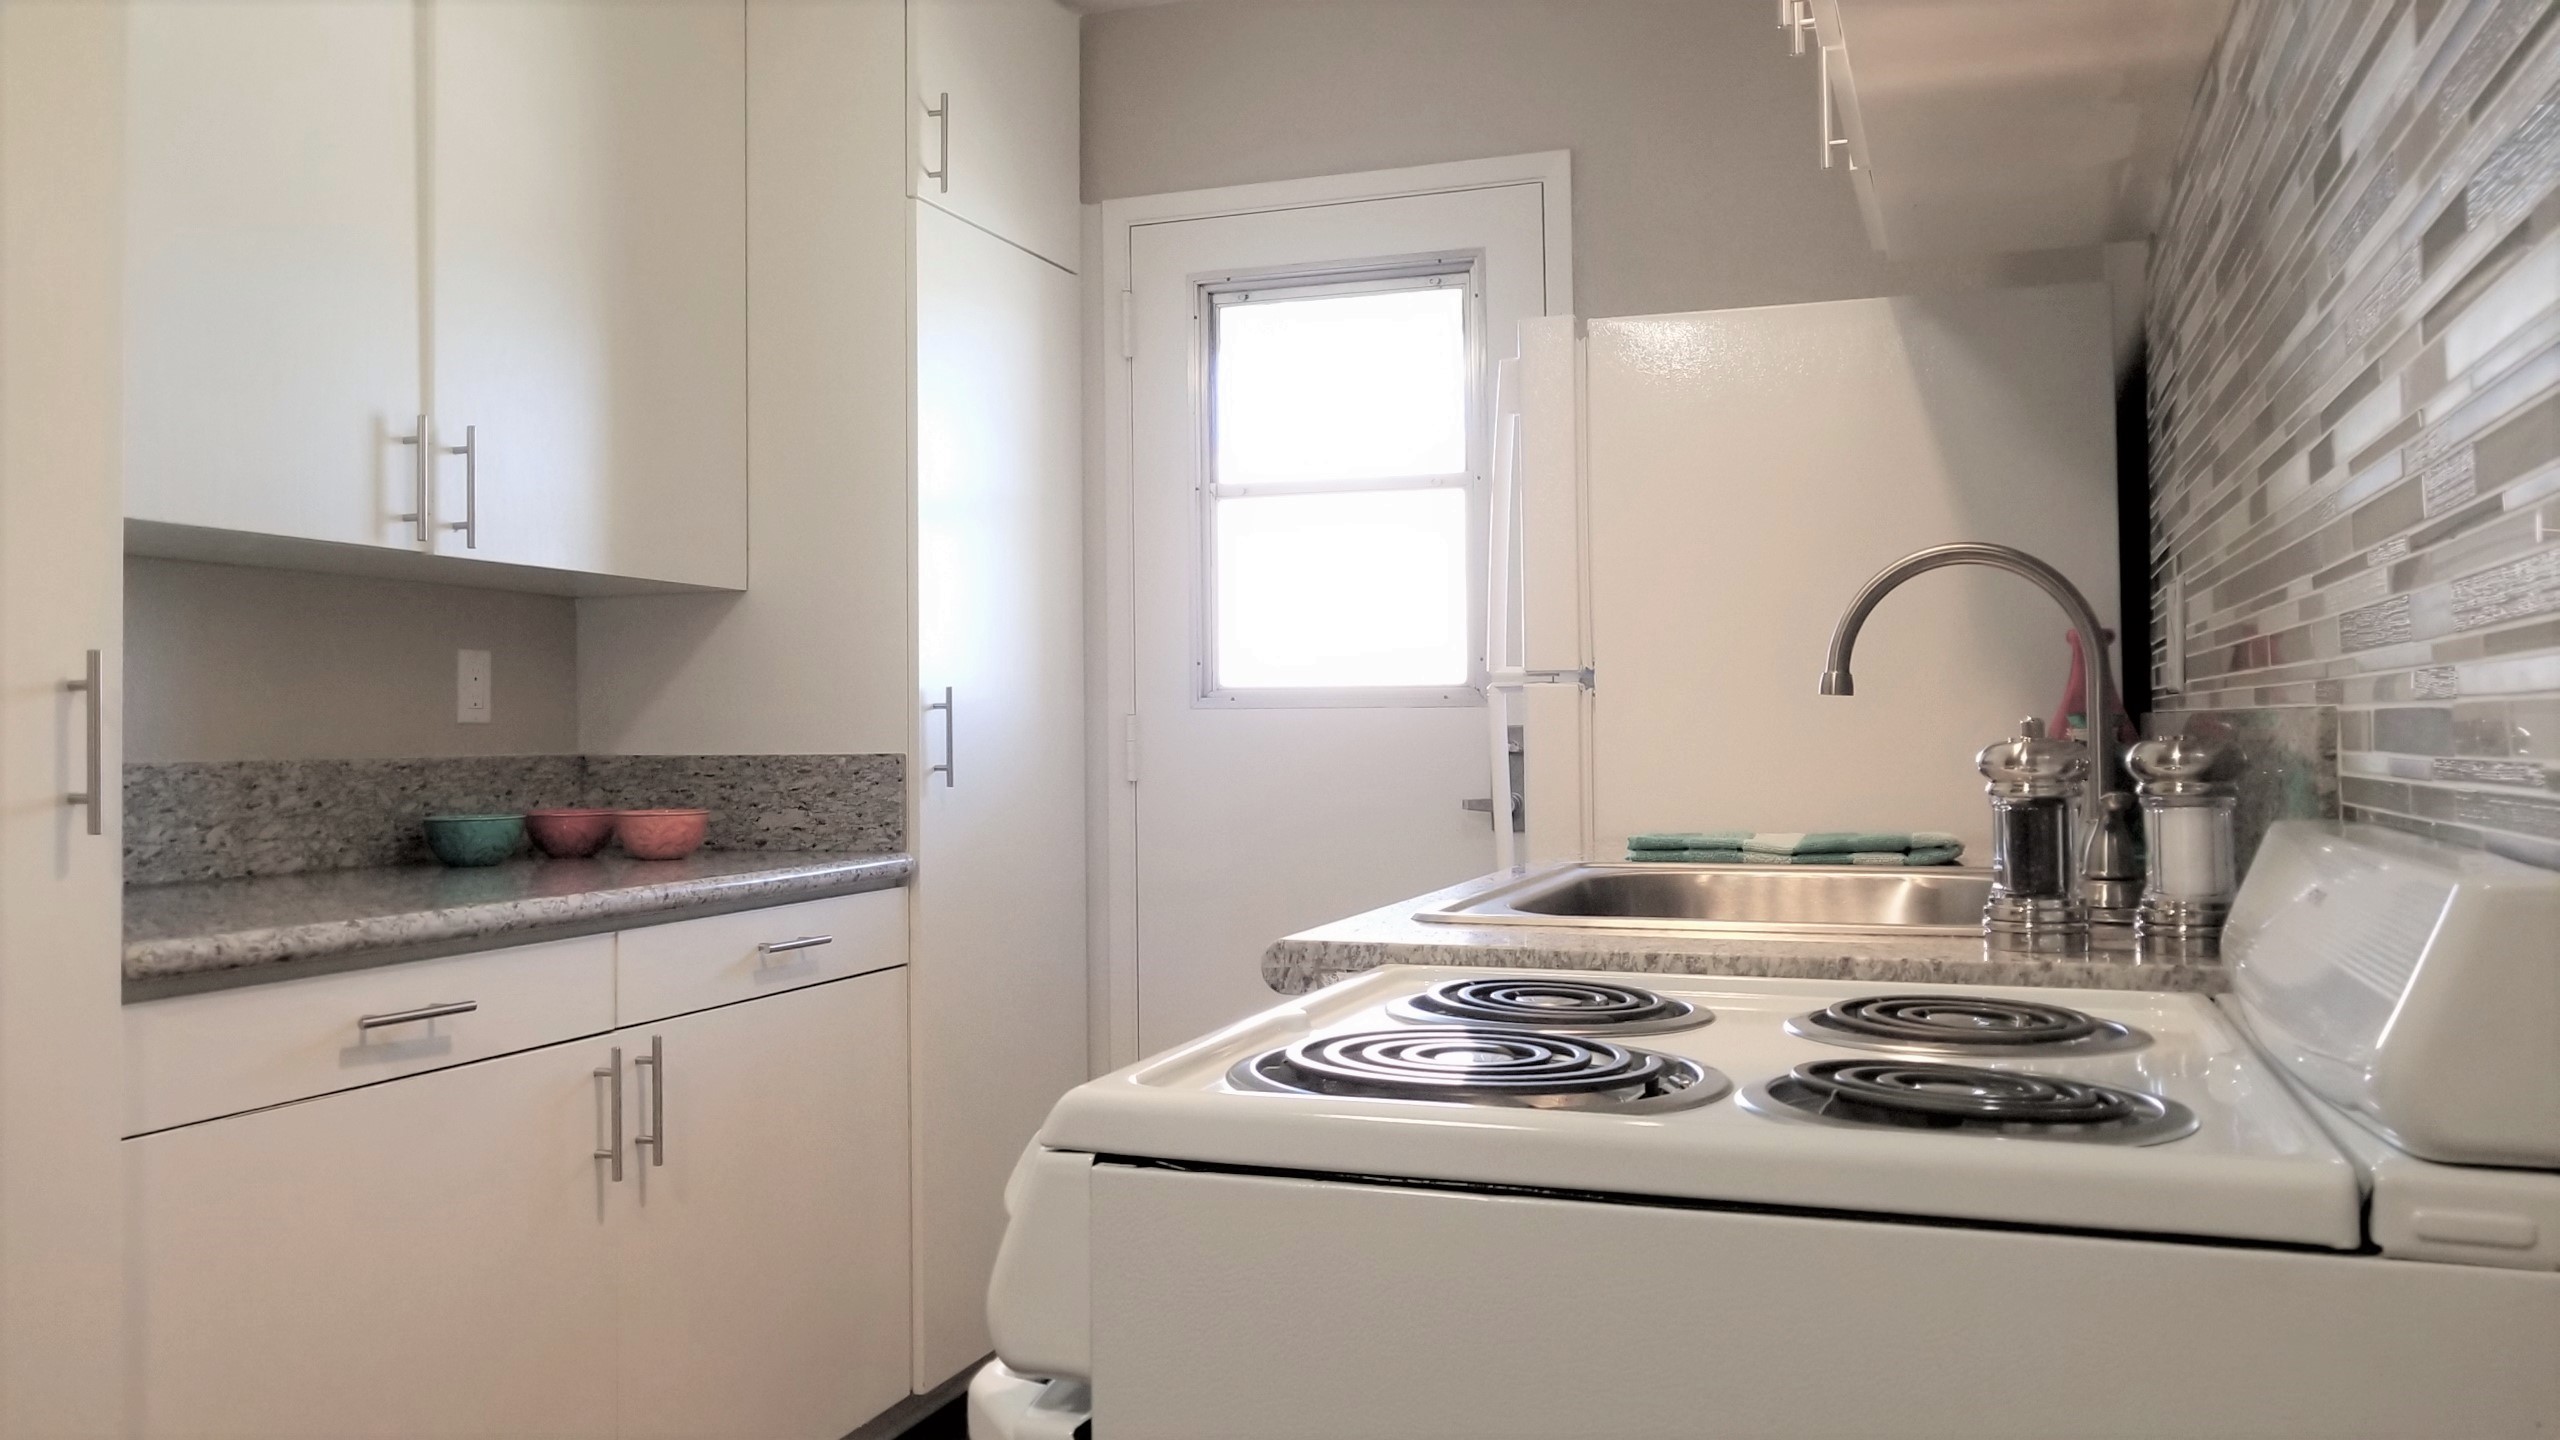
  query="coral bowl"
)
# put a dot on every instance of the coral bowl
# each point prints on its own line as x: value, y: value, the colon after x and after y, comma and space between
x: 569, y: 833
x: 661, y: 834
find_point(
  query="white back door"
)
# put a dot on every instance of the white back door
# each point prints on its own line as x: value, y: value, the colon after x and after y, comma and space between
x: 1311, y: 396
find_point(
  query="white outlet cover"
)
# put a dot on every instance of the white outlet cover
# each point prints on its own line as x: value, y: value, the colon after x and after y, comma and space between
x: 471, y: 687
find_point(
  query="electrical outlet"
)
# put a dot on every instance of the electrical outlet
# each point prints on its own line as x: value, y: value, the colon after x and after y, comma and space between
x: 471, y: 686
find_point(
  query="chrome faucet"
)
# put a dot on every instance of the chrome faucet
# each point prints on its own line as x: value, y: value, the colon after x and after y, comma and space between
x: 1836, y: 679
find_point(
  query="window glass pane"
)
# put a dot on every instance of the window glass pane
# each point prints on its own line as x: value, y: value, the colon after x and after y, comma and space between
x: 1352, y: 589
x: 1342, y: 387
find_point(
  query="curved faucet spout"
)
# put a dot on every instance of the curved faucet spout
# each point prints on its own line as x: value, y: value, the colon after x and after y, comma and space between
x: 1836, y: 679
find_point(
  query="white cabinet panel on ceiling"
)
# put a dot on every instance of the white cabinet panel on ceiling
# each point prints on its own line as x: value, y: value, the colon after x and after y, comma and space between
x: 271, y: 268
x: 993, y: 116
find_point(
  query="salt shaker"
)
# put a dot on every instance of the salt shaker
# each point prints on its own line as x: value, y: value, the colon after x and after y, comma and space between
x: 2187, y: 823
x: 2033, y: 905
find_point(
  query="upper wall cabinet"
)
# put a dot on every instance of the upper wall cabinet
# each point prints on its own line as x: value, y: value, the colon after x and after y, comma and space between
x: 271, y: 269
x: 2005, y: 125
x: 588, y: 286
x: 992, y: 115
x: 523, y: 222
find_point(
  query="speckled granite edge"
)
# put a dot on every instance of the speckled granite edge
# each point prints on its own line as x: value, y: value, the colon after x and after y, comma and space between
x: 219, y: 820
x: 1389, y: 935
x: 184, y: 937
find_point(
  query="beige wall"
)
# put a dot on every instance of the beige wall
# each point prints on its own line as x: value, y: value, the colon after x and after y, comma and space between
x: 223, y: 662
x: 1696, y: 177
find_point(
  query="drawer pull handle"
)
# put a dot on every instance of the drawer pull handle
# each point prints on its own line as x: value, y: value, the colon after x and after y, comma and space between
x: 785, y: 947
x: 423, y: 1012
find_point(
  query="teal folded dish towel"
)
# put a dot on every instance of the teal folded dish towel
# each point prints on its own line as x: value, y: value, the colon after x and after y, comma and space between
x: 1818, y: 847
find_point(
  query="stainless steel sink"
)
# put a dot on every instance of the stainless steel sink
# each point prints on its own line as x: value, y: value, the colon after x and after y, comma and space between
x: 1740, y: 899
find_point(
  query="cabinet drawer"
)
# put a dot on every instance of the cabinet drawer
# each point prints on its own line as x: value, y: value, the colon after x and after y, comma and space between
x: 198, y: 1056
x: 694, y: 964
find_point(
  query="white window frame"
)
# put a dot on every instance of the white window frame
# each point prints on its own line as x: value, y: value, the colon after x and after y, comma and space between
x: 1213, y: 292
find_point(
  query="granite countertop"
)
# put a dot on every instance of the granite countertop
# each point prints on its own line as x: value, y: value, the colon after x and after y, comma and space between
x: 216, y: 933
x: 1389, y: 935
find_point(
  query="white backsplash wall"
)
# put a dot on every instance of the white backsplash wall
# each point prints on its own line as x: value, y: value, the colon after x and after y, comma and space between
x: 2355, y: 342
x: 227, y: 662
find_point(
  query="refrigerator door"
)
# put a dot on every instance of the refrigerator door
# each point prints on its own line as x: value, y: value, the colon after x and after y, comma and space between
x: 1539, y: 662
x: 1749, y: 470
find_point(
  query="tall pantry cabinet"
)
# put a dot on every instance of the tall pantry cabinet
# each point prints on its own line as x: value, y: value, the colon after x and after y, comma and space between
x: 915, y: 578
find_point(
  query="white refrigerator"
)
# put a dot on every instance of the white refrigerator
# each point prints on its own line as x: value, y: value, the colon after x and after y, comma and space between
x: 1683, y: 504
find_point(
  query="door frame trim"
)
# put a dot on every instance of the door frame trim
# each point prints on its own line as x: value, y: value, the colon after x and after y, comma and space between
x: 1110, y: 512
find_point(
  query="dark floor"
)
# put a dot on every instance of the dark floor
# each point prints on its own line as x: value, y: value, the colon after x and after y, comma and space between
x: 951, y: 1422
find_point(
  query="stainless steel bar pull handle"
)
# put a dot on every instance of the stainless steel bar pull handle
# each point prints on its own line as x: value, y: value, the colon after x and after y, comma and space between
x: 92, y: 794
x: 411, y: 1017
x: 785, y: 947
x: 469, y: 450
x: 418, y: 442
x: 656, y: 1138
x: 944, y: 769
x: 940, y: 173
x: 1830, y: 141
x: 611, y: 1074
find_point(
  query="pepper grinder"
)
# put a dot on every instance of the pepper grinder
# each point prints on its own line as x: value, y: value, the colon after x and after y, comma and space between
x: 2192, y: 872
x: 2032, y: 778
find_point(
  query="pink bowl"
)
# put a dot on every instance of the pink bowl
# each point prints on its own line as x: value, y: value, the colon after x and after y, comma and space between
x: 661, y: 834
x: 568, y: 834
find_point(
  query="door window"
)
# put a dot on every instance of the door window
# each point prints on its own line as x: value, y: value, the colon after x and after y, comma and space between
x: 1342, y: 504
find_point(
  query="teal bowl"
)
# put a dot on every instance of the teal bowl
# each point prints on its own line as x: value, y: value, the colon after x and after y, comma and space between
x: 474, y: 839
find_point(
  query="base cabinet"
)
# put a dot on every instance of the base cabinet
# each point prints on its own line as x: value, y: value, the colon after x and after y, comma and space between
x: 430, y: 1256
x: 451, y: 1255
x: 763, y: 1249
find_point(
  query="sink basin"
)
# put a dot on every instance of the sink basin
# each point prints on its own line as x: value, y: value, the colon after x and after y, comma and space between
x: 1739, y: 899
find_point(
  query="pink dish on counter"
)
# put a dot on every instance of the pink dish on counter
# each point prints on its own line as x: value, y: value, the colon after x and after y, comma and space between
x: 569, y: 833
x: 661, y: 834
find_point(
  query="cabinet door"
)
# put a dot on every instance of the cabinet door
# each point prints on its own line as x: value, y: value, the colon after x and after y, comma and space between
x: 271, y: 268
x: 763, y: 1242
x: 1000, y: 973
x: 1003, y: 156
x: 425, y: 1257
x: 588, y: 276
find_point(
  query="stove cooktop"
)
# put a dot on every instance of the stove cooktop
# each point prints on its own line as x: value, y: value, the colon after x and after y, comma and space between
x: 1850, y: 1098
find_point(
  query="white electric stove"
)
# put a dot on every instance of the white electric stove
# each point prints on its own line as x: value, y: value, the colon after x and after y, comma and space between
x: 1442, y: 1202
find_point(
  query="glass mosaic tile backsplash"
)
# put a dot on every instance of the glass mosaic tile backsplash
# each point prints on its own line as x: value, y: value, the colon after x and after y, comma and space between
x: 2354, y: 332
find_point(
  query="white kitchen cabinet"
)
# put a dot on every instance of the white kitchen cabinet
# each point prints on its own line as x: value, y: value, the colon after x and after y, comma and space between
x: 573, y: 320
x: 588, y: 286
x: 271, y: 268
x: 449, y: 1253
x: 427, y: 1257
x: 1001, y: 154
x: 763, y: 1230
x: 1000, y: 975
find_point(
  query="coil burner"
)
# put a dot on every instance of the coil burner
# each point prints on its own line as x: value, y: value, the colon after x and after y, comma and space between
x: 1483, y: 1065
x: 1967, y: 1099
x: 1568, y: 1007
x: 1964, y: 1025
